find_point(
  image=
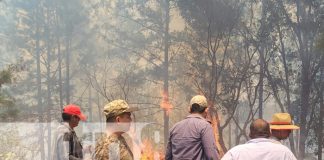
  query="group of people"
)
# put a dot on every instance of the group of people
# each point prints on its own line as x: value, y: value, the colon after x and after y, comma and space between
x: 112, y: 145
x: 191, y: 138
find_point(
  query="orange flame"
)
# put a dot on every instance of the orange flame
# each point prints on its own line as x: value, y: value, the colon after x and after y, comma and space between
x: 215, y: 122
x: 165, y: 103
x: 149, y: 153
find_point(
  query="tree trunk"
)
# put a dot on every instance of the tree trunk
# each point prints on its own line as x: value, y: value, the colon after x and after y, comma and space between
x: 39, y: 87
x: 166, y: 70
x: 229, y: 135
x: 261, y: 59
x: 90, y: 105
x: 286, y: 86
x: 60, y: 73
x: 305, y: 95
x: 260, y: 107
x: 59, y: 55
x: 67, y: 63
x: 49, y: 82
x: 320, y: 123
x: 218, y: 134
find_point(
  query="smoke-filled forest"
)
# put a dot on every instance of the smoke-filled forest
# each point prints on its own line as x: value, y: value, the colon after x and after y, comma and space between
x: 249, y: 58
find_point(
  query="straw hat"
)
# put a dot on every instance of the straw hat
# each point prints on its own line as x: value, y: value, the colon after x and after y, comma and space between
x: 282, y: 121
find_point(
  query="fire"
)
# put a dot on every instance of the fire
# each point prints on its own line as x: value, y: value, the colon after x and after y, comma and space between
x: 149, y: 153
x: 165, y: 103
x: 214, y: 122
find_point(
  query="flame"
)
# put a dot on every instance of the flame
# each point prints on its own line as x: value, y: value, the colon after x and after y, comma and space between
x: 149, y: 153
x: 165, y: 103
x: 214, y: 122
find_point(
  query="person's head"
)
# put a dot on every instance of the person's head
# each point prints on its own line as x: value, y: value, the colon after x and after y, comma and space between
x: 281, y: 125
x: 259, y: 128
x: 72, y: 114
x: 119, y: 113
x: 281, y: 134
x: 198, y: 104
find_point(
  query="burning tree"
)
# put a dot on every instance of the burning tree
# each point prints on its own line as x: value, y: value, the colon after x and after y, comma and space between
x: 218, y: 69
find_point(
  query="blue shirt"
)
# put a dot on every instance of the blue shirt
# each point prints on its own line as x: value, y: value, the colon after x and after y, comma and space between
x: 259, y: 149
x: 192, y: 138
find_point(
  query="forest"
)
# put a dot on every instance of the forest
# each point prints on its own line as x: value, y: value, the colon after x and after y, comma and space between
x: 250, y: 58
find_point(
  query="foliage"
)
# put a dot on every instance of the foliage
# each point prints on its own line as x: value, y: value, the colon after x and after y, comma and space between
x: 117, y: 50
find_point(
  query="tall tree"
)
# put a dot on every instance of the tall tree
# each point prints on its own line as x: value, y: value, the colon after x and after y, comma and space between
x: 216, y: 71
x: 146, y: 37
x: 305, y: 28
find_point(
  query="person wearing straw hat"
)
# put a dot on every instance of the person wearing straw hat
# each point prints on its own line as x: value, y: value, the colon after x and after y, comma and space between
x: 66, y: 143
x: 113, y: 145
x: 193, y: 138
x: 281, y: 126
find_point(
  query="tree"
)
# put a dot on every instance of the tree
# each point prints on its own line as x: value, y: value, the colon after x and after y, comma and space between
x: 7, y: 107
x: 305, y: 29
x: 142, y: 31
x: 217, y: 68
x: 34, y: 37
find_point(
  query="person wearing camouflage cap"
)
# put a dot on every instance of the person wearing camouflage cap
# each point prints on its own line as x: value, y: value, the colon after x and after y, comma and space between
x: 113, y: 145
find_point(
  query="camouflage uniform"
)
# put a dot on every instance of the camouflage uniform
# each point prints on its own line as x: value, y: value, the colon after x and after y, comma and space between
x: 114, y: 146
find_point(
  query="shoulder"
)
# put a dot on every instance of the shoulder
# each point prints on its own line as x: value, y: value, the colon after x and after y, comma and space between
x: 63, y: 131
x: 197, y: 122
x: 232, y: 152
x: 237, y: 148
x: 62, y: 128
x: 177, y: 124
x: 282, y: 147
x: 108, y: 139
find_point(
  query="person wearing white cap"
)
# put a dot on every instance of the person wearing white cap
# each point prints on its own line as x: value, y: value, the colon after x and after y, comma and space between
x: 193, y: 138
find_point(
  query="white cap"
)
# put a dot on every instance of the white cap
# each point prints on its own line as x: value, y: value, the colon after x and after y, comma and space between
x: 199, y: 99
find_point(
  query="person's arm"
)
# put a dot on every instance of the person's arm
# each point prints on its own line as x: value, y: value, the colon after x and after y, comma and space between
x: 62, y: 145
x: 168, y: 152
x: 208, y: 142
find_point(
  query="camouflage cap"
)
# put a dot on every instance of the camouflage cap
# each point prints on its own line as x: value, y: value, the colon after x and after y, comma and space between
x: 117, y: 107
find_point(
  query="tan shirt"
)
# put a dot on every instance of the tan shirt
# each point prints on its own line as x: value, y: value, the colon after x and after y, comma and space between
x: 112, y: 147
